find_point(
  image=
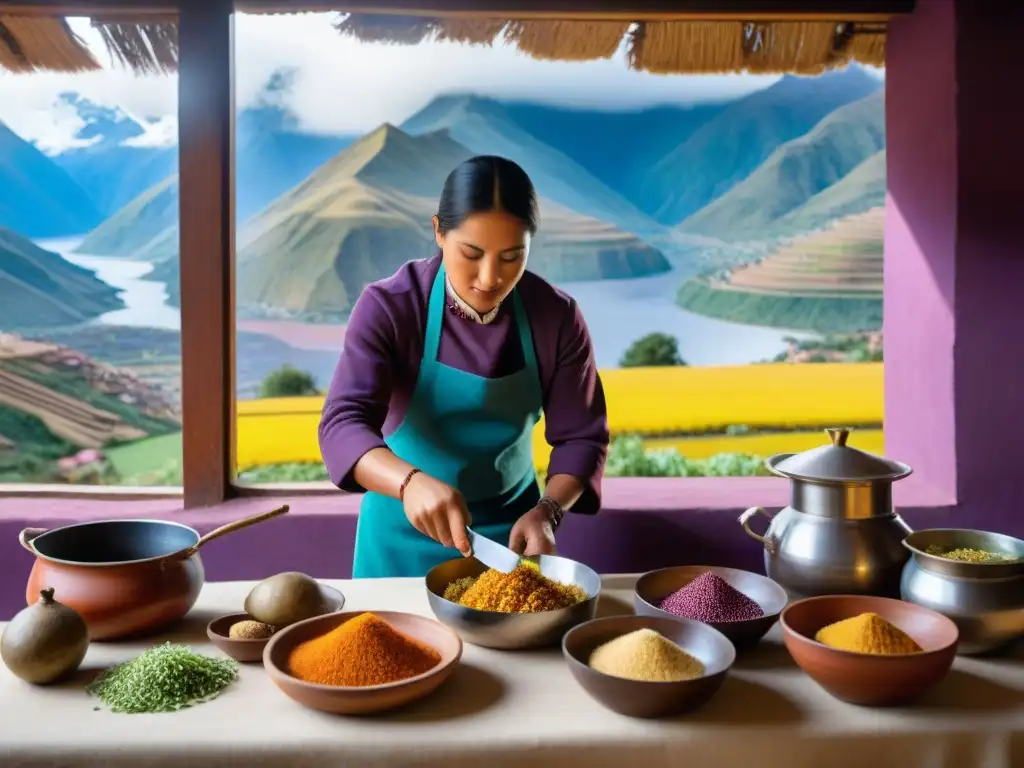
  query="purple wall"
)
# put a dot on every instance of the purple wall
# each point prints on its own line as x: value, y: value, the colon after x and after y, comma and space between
x: 989, y: 285
x: 954, y: 371
x: 920, y: 243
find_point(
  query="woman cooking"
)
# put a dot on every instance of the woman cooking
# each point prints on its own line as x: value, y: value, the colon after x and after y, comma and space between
x: 446, y: 368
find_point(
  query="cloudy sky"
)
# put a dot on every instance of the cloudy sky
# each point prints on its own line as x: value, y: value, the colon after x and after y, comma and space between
x: 347, y: 87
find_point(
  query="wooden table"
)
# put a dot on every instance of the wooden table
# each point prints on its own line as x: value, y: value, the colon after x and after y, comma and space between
x: 517, y: 708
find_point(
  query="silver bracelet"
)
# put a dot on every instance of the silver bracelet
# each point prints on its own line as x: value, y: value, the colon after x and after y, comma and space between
x: 555, y: 511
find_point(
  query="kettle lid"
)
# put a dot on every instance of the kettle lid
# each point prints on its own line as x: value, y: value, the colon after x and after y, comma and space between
x: 837, y: 463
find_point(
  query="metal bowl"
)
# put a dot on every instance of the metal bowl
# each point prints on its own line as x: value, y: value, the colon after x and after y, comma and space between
x: 640, y: 698
x: 513, y: 631
x: 984, y: 600
x: 655, y: 586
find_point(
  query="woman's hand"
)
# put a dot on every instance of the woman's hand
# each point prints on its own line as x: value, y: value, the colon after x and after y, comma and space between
x: 532, y: 534
x: 437, y: 510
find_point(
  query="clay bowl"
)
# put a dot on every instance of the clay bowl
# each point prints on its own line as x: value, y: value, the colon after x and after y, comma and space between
x: 636, y: 698
x: 655, y: 586
x: 512, y: 631
x: 368, y: 699
x: 864, y: 678
x: 252, y: 650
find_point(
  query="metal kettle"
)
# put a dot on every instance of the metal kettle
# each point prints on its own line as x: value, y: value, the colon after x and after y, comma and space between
x: 840, y: 533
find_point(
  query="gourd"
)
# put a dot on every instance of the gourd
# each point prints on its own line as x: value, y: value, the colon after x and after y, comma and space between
x: 45, y: 642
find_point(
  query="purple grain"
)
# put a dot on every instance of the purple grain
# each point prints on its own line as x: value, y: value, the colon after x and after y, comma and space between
x: 710, y: 599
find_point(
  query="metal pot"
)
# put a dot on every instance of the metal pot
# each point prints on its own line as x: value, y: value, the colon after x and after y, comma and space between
x: 124, y: 577
x: 840, y: 533
x: 985, y: 600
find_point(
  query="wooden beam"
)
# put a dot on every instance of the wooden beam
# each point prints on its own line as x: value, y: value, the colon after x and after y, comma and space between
x: 634, y: 10
x: 206, y: 136
x: 130, y: 9
x: 725, y: 10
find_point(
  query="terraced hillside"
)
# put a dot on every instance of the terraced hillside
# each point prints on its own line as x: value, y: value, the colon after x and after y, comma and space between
x: 55, y: 401
x: 829, y: 282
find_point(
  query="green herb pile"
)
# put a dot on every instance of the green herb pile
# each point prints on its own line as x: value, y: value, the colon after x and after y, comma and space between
x: 163, y: 679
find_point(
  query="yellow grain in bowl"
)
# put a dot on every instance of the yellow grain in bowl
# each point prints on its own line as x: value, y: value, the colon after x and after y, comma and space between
x: 523, y: 590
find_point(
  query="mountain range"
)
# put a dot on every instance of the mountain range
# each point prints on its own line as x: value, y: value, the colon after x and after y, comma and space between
x: 623, y: 194
x: 272, y: 154
x: 795, y: 172
x: 41, y: 289
x: 364, y: 213
x: 37, y: 197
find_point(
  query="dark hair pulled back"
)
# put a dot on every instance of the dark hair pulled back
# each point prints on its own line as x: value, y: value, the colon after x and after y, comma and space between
x: 487, y: 183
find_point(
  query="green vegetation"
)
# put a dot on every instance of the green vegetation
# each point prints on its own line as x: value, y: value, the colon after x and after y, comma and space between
x: 141, y: 457
x: 36, y: 448
x: 294, y: 472
x: 627, y: 457
x: 654, y: 349
x: 798, y: 313
x: 288, y: 381
x: 856, y: 348
x: 31, y: 435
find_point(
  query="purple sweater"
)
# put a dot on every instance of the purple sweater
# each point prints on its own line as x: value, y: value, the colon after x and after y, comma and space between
x: 374, y: 381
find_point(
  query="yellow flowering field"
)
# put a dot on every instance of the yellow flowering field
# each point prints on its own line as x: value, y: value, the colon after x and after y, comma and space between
x: 674, y: 400
x: 666, y: 405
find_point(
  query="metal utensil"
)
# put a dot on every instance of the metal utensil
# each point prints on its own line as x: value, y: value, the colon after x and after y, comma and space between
x: 985, y: 600
x: 512, y: 630
x: 492, y: 554
x: 840, y: 533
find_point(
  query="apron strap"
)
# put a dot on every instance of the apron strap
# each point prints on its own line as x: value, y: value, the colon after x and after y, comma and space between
x: 435, y: 319
x: 525, y: 337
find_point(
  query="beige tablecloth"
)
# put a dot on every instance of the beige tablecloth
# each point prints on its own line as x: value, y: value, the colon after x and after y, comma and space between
x: 503, y: 709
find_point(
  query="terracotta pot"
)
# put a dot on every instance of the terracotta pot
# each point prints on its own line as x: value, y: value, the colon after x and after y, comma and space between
x: 125, y: 577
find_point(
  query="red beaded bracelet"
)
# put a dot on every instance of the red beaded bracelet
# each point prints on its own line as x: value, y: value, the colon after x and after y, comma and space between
x: 405, y: 483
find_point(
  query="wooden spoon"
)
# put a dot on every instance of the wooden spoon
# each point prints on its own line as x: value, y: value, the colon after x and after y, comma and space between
x: 237, y: 525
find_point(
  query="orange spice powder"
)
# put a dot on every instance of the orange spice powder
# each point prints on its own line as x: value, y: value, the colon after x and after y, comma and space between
x: 363, y: 651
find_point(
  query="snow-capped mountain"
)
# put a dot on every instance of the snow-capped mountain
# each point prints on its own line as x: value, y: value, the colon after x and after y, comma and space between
x: 116, y: 154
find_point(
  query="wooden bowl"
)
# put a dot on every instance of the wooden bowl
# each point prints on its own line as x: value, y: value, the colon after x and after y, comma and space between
x: 240, y: 650
x: 637, y: 698
x: 655, y: 586
x: 363, y: 700
x: 247, y: 651
x: 870, y: 679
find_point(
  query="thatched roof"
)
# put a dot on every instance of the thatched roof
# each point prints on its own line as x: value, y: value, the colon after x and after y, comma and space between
x: 664, y: 47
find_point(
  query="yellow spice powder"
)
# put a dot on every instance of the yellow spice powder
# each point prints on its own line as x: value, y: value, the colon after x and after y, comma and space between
x: 867, y: 633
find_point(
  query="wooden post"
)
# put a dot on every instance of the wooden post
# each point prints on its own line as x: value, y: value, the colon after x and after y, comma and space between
x: 206, y: 130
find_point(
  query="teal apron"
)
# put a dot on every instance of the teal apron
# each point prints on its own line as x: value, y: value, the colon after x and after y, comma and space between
x: 473, y: 433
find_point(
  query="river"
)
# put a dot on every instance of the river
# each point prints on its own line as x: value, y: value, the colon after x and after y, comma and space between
x: 618, y: 312
x: 145, y: 300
